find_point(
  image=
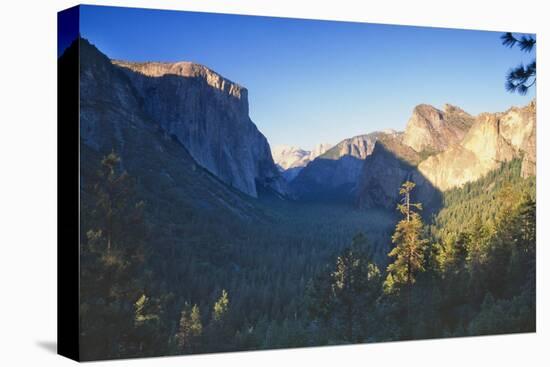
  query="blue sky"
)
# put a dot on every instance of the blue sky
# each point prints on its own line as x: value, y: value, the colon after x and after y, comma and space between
x: 313, y: 81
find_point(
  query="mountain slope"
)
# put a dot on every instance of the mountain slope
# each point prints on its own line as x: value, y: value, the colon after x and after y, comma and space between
x: 469, y: 148
x: 430, y: 129
x: 291, y: 160
x: 171, y: 182
x: 208, y: 114
x: 335, y: 173
x: 494, y: 138
x: 391, y: 163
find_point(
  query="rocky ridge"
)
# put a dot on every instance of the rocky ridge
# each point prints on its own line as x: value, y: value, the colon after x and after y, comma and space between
x: 441, y: 150
x: 337, y: 170
x: 493, y: 139
x: 291, y: 160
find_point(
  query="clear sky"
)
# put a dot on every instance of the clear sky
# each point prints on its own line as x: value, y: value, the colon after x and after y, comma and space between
x: 313, y: 81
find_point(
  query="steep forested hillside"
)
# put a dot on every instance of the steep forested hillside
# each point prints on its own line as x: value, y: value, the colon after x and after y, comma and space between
x: 304, y: 273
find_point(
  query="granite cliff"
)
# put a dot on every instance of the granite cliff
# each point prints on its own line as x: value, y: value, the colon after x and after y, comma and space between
x: 493, y: 139
x: 432, y: 130
x: 112, y: 119
x: 208, y: 115
x: 336, y: 172
x: 440, y: 150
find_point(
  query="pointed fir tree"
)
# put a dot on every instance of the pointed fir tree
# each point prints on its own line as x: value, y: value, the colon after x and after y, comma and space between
x: 189, y: 330
x: 409, y: 249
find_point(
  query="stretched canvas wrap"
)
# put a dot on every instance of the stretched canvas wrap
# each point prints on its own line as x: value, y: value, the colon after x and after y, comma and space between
x: 232, y: 183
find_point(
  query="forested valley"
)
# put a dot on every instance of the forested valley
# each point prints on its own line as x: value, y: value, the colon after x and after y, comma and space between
x: 301, y: 273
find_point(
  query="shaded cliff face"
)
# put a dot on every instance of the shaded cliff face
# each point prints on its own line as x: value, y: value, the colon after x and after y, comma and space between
x: 208, y: 114
x: 336, y: 172
x: 170, y: 180
x: 391, y: 163
x: 493, y: 139
x: 430, y: 129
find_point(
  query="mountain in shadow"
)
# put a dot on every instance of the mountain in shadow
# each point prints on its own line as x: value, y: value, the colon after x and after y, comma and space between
x: 384, y: 171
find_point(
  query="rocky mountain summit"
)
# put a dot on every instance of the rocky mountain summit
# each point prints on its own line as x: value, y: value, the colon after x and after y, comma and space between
x: 336, y: 171
x: 493, y: 139
x: 112, y: 119
x: 432, y: 130
x: 154, y: 107
x: 291, y: 160
x: 208, y: 115
x: 445, y: 149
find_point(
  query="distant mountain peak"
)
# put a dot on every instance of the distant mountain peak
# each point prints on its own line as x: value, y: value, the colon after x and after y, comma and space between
x: 291, y: 159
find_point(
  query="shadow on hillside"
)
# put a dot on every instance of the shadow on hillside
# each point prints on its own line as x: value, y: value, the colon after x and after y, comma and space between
x: 383, y: 174
x: 328, y: 180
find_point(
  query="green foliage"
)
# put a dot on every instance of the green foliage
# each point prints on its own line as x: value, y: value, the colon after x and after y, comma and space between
x: 408, y: 252
x: 409, y: 244
x: 111, y: 278
x: 344, y: 300
x: 521, y: 78
x: 297, y: 274
x: 190, y: 329
x: 480, y: 201
x: 221, y: 307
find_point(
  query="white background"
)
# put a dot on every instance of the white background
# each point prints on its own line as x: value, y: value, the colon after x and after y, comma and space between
x: 28, y: 182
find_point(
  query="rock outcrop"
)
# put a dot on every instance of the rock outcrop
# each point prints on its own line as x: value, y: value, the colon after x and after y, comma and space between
x: 441, y: 150
x: 432, y: 130
x: 207, y: 114
x: 493, y: 139
x: 168, y: 179
x: 336, y: 172
x: 291, y: 160
x: 391, y: 163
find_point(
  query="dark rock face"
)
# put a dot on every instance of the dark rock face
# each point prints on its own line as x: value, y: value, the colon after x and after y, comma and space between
x: 208, y: 114
x: 336, y: 172
x: 169, y: 178
x: 390, y: 164
x: 383, y: 172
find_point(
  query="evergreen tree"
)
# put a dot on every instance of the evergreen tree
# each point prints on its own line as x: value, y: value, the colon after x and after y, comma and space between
x: 112, y: 256
x: 220, y: 334
x: 147, y: 325
x: 345, y: 300
x: 221, y: 307
x: 190, y: 329
x: 409, y: 248
x: 521, y: 78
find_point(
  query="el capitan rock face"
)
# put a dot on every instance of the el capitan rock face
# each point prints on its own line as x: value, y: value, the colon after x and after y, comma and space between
x: 208, y: 114
x: 112, y: 120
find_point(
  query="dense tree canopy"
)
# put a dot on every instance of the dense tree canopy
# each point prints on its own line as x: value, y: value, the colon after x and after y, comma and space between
x: 304, y: 275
